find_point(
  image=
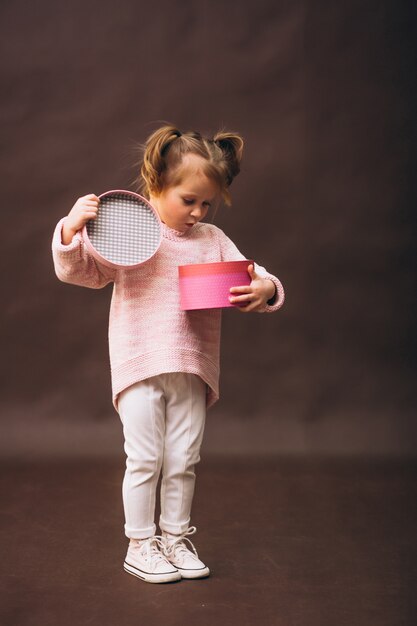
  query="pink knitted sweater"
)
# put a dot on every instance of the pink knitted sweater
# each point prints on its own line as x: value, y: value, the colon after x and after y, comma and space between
x: 148, y: 333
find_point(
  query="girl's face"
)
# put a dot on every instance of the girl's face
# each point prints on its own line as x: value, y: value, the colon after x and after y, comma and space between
x: 183, y: 205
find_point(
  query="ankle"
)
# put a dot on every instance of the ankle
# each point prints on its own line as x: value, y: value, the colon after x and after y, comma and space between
x: 134, y: 541
x: 167, y: 535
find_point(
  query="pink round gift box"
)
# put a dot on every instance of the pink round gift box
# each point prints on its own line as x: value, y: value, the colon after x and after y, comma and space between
x: 207, y: 285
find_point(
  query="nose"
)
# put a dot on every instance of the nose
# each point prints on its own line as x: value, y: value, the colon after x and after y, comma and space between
x: 197, y: 212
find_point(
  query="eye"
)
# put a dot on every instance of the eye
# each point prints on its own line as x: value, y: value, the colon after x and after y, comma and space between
x: 207, y: 205
x: 188, y: 201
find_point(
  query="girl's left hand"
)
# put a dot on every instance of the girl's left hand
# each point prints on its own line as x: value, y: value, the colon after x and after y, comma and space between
x: 254, y: 296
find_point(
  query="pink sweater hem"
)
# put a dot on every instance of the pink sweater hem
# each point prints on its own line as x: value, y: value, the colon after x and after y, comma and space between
x: 162, y: 361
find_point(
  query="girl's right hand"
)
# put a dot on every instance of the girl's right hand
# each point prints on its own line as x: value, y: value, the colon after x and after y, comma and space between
x: 83, y: 210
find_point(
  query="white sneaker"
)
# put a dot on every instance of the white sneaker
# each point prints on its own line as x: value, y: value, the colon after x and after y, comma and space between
x: 177, y: 553
x: 146, y: 561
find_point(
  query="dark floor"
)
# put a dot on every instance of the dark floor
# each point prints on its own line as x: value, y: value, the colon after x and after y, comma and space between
x: 289, y: 542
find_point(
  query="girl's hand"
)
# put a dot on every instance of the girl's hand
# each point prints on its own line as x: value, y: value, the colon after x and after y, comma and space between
x: 254, y: 296
x: 83, y: 210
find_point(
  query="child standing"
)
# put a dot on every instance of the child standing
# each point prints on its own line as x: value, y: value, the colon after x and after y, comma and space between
x: 164, y: 361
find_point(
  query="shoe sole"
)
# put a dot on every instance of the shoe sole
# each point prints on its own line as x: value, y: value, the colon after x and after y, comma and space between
x: 151, y: 578
x: 191, y: 574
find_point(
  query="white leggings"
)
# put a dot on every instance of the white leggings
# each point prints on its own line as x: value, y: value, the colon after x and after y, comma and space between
x: 163, y: 421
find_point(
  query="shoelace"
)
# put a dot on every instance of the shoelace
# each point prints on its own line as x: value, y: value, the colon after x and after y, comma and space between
x: 152, y: 550
x: 178, y: 545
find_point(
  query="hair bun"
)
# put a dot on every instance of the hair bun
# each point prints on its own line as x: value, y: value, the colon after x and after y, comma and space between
x: 231, y: 144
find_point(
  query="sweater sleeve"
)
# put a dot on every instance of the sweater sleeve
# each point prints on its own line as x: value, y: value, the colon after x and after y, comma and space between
x: 229, y: 252
x: 74, y: 264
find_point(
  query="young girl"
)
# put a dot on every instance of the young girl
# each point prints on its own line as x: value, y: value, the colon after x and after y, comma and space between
x: 164, y: 361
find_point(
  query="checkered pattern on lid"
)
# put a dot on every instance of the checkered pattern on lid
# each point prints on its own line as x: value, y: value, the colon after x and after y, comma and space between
x: 126, y: 231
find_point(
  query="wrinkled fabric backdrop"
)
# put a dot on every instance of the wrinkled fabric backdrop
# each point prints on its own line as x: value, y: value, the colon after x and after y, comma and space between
x: 324, y: 95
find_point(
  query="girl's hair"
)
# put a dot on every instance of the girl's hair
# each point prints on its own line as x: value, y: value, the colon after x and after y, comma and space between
x: 164, y: 150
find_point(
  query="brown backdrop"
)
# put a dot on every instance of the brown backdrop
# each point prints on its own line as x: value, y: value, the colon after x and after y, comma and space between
x: 324, y: 95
